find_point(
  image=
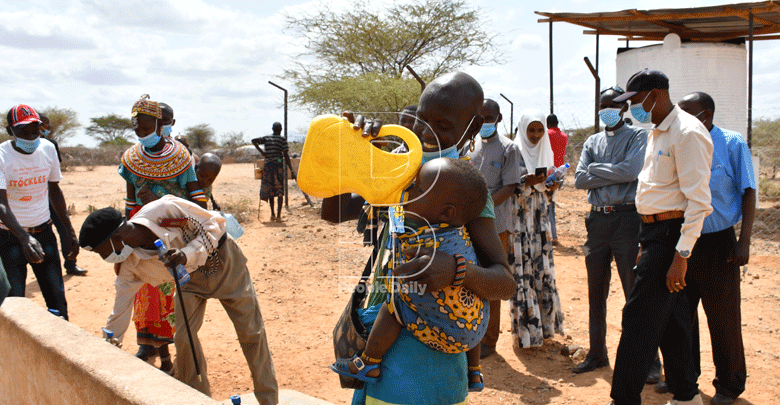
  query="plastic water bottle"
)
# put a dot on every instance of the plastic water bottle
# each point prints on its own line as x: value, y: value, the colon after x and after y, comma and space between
x: 183, y: 276
x: 235, y: 399
x: 109, y: 337
x: 557, y: 175
x: 232, y: 226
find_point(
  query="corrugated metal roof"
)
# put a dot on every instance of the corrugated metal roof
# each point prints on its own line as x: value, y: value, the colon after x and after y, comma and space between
x: 711, y: 23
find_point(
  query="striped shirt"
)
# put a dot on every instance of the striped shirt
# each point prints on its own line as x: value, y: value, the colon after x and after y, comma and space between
x: 275, y: 147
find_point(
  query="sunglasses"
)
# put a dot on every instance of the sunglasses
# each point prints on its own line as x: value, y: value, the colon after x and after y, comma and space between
x: 613, y: 88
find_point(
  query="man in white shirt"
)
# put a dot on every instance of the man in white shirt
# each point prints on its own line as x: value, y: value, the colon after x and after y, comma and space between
x: 217, y: 268
x: 29, y: 181
x: 673, y: 197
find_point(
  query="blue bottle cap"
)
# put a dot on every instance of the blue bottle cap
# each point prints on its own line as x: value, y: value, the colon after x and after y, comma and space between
x: 109, y: 333
x: 158, y: 243
x: 235, y: 399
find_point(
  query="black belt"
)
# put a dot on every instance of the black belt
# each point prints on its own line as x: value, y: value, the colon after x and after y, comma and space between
x: 614, y: 208
x: 36, y: 229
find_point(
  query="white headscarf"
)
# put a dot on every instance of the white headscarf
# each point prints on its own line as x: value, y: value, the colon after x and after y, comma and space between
x: 539, y: 155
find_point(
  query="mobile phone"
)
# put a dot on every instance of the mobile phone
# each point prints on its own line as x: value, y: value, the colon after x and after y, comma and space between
x: 541, y: 171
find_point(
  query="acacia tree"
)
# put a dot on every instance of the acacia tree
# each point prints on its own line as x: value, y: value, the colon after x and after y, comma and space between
x: 63, y: 122
x: 110, y: 129
x: 355, y: 59
x: 200, y: 137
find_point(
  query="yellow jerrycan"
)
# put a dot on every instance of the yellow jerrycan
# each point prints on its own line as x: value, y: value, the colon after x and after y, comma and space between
x: 337, y: 159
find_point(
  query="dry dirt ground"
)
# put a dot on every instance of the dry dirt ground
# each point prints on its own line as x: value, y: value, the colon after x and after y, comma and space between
x: 302, y: 267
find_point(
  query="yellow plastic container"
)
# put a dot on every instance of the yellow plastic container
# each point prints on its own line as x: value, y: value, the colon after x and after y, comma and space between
x: 337, y: 159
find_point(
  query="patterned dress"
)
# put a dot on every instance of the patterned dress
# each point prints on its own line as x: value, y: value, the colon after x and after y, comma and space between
x: 536, y: 307
x: 451, y: 320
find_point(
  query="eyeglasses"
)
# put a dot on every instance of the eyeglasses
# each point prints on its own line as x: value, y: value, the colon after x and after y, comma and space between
x: 613, y: 88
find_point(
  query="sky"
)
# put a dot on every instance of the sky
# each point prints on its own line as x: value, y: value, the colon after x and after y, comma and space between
x: 212, y: 60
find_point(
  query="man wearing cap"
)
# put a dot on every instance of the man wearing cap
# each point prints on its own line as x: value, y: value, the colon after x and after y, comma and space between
x: 609, y: 165
x: 29, y: 176
x: 673, y: 198
x: 713, y: 269
x: 217, y: 268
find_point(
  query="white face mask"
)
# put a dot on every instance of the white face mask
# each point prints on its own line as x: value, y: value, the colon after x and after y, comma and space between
x: 114, y: 257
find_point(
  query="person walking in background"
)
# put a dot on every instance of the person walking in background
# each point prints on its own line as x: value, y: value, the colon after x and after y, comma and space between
x: 536, y: 307
x: 29, y: 182
x: 69, y: 264
x: 498, y: 159
x: 558, y: 142
x: 609, y: 165
x: 713, y: 268
x: 272, y: 184
x: 673, y: 197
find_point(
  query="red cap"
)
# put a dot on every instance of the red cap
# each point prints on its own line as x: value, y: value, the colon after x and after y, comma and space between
x: 23, y: 114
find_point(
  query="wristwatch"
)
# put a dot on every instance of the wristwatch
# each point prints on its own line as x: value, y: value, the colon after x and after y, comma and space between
x: 684, y: 253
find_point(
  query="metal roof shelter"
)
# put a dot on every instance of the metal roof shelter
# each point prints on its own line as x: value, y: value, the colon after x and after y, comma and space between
x: 724, y: 23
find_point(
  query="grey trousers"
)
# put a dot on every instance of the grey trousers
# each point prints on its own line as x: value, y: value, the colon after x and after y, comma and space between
x: 613, y: 235
x: 232, y: 286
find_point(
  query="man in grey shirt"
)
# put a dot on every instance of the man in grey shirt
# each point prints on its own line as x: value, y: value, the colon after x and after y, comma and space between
x: 498, y: 159
x: 609, y: 165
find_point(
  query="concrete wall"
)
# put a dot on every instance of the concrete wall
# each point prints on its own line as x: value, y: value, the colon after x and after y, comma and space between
x: 717, y: 69
x: 45, y: 360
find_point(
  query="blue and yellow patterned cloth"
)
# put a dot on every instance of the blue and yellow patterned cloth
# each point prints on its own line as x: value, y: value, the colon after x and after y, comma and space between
x: 451, y: 320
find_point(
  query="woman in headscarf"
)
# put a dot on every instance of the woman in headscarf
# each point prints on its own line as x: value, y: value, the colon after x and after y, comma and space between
x: 536, y: 308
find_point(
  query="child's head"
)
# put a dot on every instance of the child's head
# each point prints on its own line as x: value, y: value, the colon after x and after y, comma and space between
x: 207, y: 169
x: 446, y: 190
x: 449, y: 112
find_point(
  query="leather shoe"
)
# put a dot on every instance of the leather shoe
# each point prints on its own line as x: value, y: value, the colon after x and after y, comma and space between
x: 661, y: 387
x: 76, y: 271
x: 486, y: 351
x: 590, y: 364
x: 721, y: 399
x: 654, y: 376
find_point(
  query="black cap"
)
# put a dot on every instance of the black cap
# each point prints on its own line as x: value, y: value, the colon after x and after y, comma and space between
x: 99, y: 226
x: 643, y: 81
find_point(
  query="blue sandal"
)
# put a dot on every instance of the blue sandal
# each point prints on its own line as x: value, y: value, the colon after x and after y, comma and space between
x: 476, y: 387
x: 341, y: 367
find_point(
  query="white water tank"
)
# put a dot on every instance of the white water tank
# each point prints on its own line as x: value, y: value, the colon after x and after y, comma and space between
x: 718, y: 69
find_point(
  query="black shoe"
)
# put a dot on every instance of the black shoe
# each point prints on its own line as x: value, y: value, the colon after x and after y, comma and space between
x: 721, y: 399
x: 146, y: 352
x: 76, y: 271
x: 654, y: 376
x: 661, y: 387
x: 590, y: 364
x: 486, y: 351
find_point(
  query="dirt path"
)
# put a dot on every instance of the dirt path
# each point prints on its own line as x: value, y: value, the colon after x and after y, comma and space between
x: 301, y: 269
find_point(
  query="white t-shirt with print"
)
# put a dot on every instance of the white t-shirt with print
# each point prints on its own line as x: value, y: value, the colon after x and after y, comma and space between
x: 26, y: 180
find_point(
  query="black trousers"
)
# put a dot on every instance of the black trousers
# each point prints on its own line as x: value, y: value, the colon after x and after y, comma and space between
x: 714, y: 280
x: 655, y: 317
x: 613, y: 235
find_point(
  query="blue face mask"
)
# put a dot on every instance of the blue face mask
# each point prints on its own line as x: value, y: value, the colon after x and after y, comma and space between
x: 150, y: 140
x: 451, y: 152
x: 610, y: 116
x: 45, y: 132
x: 167, y: 130
x: 487, y: 130
x: 639, y: 112
x: 27, y: 146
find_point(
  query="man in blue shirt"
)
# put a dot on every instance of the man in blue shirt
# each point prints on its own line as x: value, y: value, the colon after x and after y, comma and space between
x: 713, y: 269
x: 609, y: 165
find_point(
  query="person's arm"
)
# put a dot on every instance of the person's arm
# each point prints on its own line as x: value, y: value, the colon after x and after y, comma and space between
x: 436, y: 270
x: 130, y: 202
x: 31, y: 248
x: 257, y: 142
x: 583, y: 180
x: 742, y: 250
x: 510, y: 174
x: 286, y: 153
x: 627, y: 170
x: 195, y: 186
x: 693, y: 159
x: 57, y: 200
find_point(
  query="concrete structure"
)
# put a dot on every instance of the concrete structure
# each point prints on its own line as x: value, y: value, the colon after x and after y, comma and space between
x: 46, y: 360
x: 716, y: 68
